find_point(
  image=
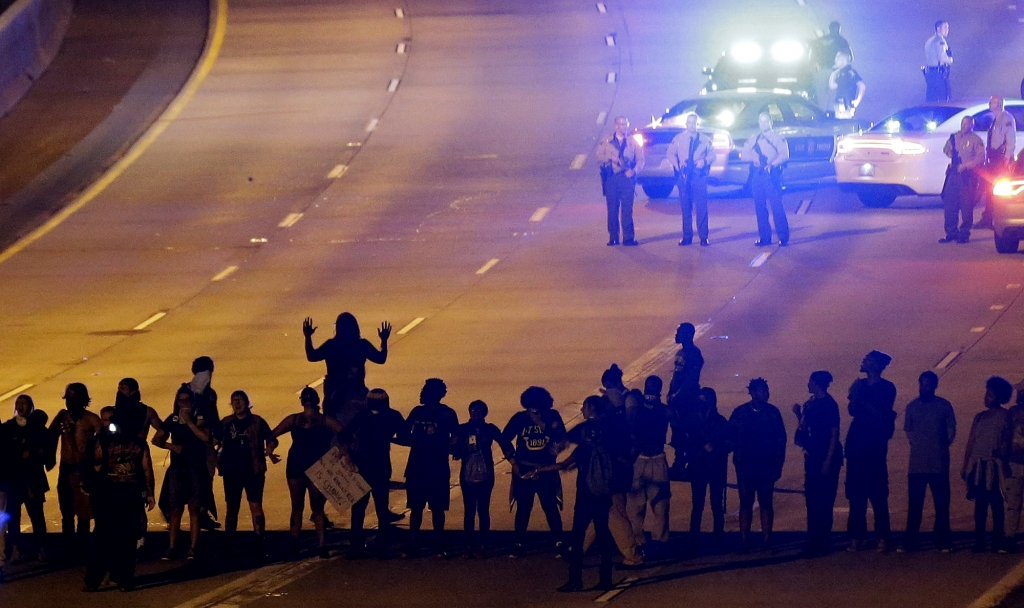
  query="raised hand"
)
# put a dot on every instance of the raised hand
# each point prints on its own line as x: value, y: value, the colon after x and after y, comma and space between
x: 307, y: 327
x: 385, y: 331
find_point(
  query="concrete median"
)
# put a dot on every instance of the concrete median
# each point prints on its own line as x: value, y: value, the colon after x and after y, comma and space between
x: 31, y: 32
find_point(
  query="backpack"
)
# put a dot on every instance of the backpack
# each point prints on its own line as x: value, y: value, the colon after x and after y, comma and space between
x: 599, y: 472
x: 475, y: 469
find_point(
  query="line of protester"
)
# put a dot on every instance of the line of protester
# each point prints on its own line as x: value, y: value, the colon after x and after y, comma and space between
x: 623, y: 482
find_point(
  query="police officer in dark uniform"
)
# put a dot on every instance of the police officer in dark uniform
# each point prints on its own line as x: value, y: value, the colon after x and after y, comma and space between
x: 937, y: 61
x: 960, y: 190
x: 621, y: 158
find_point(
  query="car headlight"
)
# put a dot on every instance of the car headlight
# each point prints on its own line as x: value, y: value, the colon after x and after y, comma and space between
x: 725, y: 118
x: 787, y: 51
x: 746, y: 52
x: 1007, y: 188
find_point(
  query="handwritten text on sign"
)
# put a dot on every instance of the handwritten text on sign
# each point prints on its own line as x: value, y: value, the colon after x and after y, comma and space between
x: 342, y: 486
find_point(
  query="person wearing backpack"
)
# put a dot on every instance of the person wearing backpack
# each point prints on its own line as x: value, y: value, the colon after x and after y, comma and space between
x: 476, y: 439
x: 593, y: 461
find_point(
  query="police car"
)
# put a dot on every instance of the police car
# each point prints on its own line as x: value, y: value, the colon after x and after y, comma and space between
x: 785, y: 63
x: 902, y: 155
x: 729, y: 118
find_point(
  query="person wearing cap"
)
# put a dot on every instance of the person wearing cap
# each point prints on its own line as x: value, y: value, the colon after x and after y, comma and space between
x: 369, y: 437
x: 759, y: 455
x: 871, y: 401
x: 245, y: 439
x: 74, y: 428
x: 312, y: 433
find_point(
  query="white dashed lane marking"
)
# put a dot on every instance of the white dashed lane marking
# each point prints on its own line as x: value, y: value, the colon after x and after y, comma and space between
x: 393, y: 85
x: 996, y: 307
x: 539, y: 214
x: 601, y: 8
x: 399, y: 13
x: 611, y: 78
x: 370, y: 126
x: 412, y: 324
x: 760, y: 260
x: 153, y: 319
x: 577, y: 163
x: 977, y: 330
x: 337, y: 171
x: 601, y: 117
x: 400, y: 49
x: 949, y: 358
x: 609, y: 40
x: 223, y: 274
x: 16, y: 391
x: 289, y: 220
x: 490, y: 264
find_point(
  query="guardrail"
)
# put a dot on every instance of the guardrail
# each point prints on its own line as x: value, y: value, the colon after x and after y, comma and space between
x: 31, y: 32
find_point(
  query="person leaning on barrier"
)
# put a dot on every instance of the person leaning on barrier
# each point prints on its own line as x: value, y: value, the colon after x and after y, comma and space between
x: 960, y: 190
x: 691, y: 155
x: 621, y: 159
x: 937, y: 61
x: 767, y: 151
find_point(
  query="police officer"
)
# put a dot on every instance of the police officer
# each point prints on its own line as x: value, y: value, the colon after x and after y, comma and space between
x: 960, y: 191
x: 824, y: 54
x: 1002, y: 140
x: 621, y: 159
x: 937, y: 61
x: 767, y: 151
x: 691, y: 155
x: 847, y: 87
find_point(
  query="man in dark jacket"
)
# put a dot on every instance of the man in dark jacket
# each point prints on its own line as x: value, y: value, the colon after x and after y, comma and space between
x: 708, y: 441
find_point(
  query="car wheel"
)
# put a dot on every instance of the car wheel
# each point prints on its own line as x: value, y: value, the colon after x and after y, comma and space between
x: 657, y: 190
x: 877, y: 198
x: 1006, y: 244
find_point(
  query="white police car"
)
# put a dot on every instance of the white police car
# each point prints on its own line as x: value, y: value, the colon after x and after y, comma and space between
x: 902, y: 155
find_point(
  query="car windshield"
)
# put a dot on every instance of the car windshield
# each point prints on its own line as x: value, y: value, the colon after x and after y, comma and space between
x: 721, y: 113
x: 922, y: 119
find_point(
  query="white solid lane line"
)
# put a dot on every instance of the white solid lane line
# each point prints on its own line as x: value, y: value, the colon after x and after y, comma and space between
x: 16, y: 391
x: 289, y: 220
x: 400, y: 49
x: 539, y: 214
x: 577, y: 163
x: 399, y: 13
x: 370, y: 126
x: 760, y: 260
x: 611, y: 78
x: 950, y: 356
x: 601, y: 8
x: 393, y: 85
x: 337, y: 171
x: 156, y: 317
x: 490, y: 264
x: 601, y: 117
x: 411, y: 325
x: 223, y: 274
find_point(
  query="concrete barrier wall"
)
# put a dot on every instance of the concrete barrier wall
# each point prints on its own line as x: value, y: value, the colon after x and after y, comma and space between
x: 31, y: 32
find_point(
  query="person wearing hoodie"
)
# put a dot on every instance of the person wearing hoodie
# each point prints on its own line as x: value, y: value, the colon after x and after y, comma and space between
x: 369, y: 438
x: 73, y: 429
x: 28, y: 444
x: 708, y: 441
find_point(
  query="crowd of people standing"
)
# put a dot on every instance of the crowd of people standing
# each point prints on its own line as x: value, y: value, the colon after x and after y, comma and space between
x: 623, y: 481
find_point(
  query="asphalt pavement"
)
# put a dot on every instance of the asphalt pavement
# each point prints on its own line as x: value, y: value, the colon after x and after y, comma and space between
x: 355, y: 157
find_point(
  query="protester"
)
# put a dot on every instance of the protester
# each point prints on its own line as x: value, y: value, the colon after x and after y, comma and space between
x: 1013, y: 486
x: 650, y: 471
x: 593, y: 464
x: 708, y: 441
x: 867, y: 444
x: 986, y: 462
x: 205, y: 405
x: 818, y: 435
x: 760, y: 453
x: 430, y: 432
x: 930, y: 424
x: 138, y: 418
x: 346, y: 355
x: 538, y: 434
x: 187, y: 478
x: 369, y: 438
x: 312, y: 433
x: 122, y: 489
x: 73, y: 429
x: 28, y: 444
x: 623, y: 403
x: 474, y: 447
x: 245, y: 439
x: 682, y: 390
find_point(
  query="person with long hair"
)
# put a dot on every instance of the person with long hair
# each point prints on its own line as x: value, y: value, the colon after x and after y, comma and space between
x: 312, y: 432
